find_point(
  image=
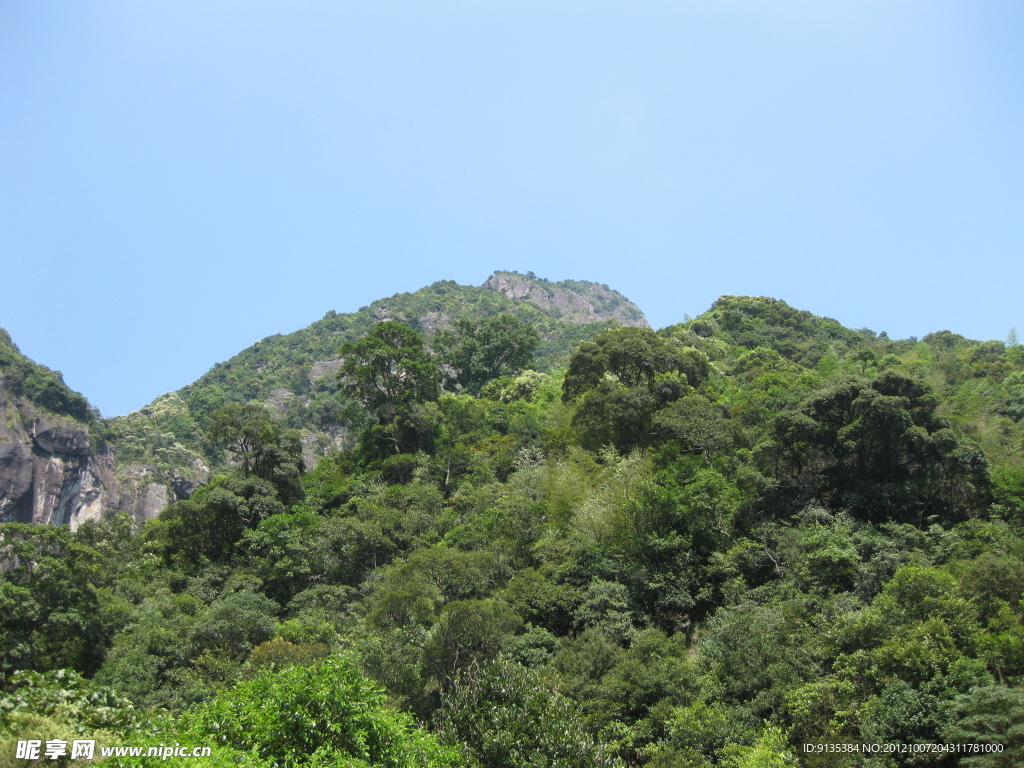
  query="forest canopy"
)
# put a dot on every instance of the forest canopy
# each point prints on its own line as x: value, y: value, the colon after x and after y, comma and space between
x: 709, y: 545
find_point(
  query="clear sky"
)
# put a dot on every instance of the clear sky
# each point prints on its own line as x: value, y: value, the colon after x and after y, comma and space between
x: 180, y: 179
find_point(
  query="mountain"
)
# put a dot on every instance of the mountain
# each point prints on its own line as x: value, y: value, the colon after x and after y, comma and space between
x: 162, y: 453
x: 60, y: 463
x: 711, y: 544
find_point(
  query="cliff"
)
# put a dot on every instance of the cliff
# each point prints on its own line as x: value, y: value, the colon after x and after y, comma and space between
x: 52, y: 470
x: 574, y: 301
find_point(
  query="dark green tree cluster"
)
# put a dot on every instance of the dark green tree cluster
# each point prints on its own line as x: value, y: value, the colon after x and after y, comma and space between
x: 624, y: 380
x: 391, y: 373
x: 475, y: 352
x: 38, y: 384
x: 877, y: 449
x: 398, y: 380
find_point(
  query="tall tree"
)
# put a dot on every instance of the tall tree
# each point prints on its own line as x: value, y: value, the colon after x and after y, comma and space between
x: 478, y: 351
x: 877, y: 449
x: 390, y: 372
x: 247, y: 431
x: 261, y: 447
x: 633, y: 357
x: 507, y: 716
x: 622, y: 378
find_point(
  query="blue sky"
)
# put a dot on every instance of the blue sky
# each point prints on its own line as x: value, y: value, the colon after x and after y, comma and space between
x: 180, y: 179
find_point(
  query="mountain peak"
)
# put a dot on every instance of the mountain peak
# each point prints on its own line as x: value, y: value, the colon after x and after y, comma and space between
x: 573, y: 301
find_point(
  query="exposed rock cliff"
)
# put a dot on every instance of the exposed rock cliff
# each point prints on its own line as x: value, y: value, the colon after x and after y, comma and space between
x: 55, y: 468
x: 573, y: 301
x: 50, y: 469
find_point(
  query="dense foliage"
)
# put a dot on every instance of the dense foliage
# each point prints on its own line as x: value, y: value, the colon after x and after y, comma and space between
x: 281, y: 370
x: 475, y: 352
x: 710, y: 545
x: 38, y: 384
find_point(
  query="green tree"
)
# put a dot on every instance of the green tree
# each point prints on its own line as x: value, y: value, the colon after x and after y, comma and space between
x: 60, y: 705
x: 878, y: 449
x: 388, y: 369
x: 614, y: 414
x: 989, y: 715
x: 213, y: 520
x: 391, y: 373
x: 323, y: 715
x: 696, y: 423
x: 477, y: 351
x: 508, y: 717
x: 261, y: 447
x: 233, y: 625
x: 467, y: 631
x: 247, y: 431
x: 769, y: 751
x: 50, y: 610
x: 150, y: 658
x: 634, y: 357
x: 40, y: 385
x: 622, y: 378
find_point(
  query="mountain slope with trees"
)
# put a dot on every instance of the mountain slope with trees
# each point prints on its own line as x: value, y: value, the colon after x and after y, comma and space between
x: 164, y: 445
x: 709, y: 545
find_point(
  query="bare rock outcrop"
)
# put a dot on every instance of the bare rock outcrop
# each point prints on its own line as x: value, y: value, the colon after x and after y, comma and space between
x: 325, y: 368
x: 50, y: 469
x: 145, y: 490
x: 571, y: 300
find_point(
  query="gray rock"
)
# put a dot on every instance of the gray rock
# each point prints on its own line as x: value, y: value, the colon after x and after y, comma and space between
x: 432, y: 322
x: 185, y: 481
x: 60, y: 437
x: 279, y: 399
x: 324, y: 368
x: 49, y: 473
x: 574, y: 301
x: 316, y: 445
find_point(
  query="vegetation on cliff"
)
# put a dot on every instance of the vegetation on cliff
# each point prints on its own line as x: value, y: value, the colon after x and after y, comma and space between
x: 38, y: 385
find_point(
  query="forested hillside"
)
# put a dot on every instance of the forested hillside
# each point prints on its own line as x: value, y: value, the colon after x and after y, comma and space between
x: 753, y: 539
x: 164, y: 446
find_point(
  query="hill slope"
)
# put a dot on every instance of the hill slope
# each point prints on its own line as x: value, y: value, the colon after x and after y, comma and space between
x: 708, y: 545
x: 162, y: 450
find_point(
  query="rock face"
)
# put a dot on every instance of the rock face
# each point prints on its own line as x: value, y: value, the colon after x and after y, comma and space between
x: 50, y: 472
x: 432, y: 322
x: 53, y: 469
x: 573, y: 301
x: 143, y: 496
x: 324, y: 369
